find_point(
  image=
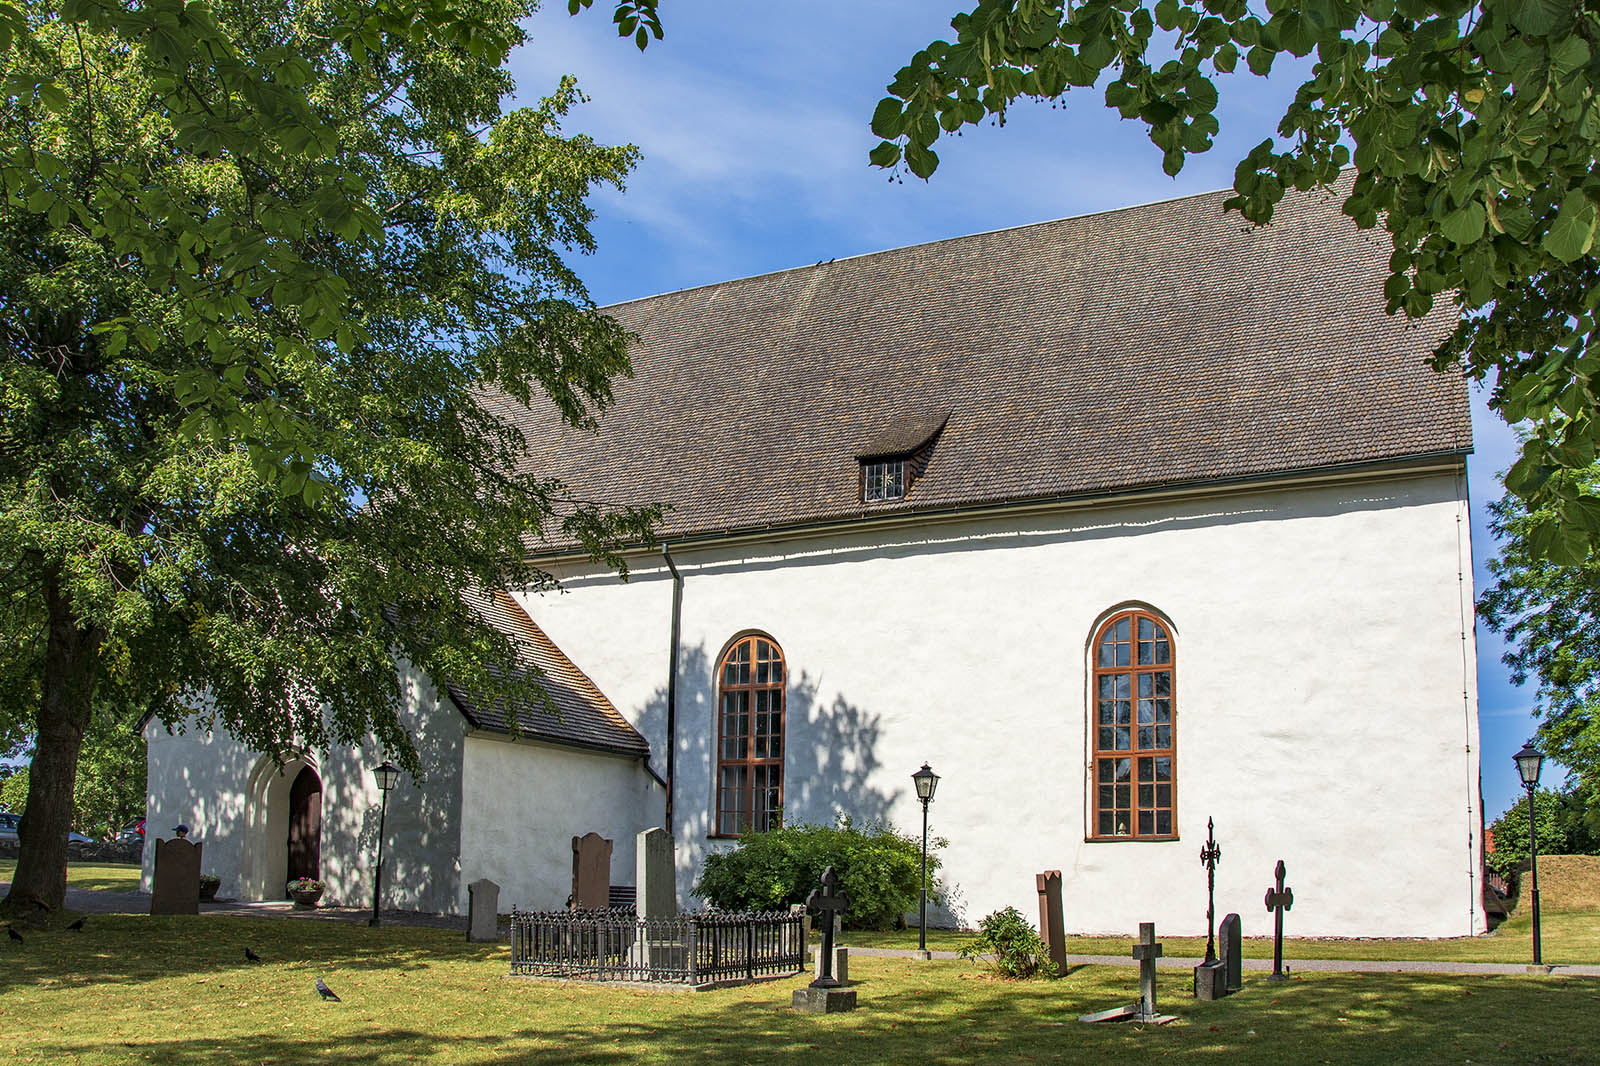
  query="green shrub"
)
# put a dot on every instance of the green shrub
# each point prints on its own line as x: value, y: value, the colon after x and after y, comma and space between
x: 1017, y: 948
x: 1563, y: 830
x: 879, y: 869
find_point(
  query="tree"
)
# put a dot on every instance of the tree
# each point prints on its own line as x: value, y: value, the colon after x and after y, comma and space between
x: 1474, y: 147
x: 274, y: 280
x: 1563, y: 830
x: 1549, y: 613
x: 110, y: 785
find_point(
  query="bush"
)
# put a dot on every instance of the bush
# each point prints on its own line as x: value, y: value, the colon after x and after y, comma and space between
x: 1017, y: 948
x: 1563, y: 829
x: 878, y: 868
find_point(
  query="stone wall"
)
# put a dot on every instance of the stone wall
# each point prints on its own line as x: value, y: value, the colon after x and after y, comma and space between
x: 80, y: 852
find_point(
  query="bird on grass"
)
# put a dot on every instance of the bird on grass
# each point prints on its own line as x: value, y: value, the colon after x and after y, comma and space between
x: 250, y: 956
x: 13, y: 934
x: 77, y: 926
x: 325, y: 992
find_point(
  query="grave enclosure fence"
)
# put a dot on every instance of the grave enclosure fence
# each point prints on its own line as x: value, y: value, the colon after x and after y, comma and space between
x: 694, y: 948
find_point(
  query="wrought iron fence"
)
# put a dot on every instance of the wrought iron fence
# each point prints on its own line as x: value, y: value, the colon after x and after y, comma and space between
x: 695, y: 948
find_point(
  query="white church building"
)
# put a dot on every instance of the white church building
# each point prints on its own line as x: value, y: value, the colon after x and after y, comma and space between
x: 1122, y: 523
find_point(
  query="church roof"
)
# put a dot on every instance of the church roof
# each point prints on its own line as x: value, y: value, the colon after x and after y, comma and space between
x: 1158, y: 346
x: 586, y: 719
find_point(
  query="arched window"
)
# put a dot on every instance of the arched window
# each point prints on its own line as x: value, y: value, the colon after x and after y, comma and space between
x: 1135, y: 763
x: 750, y: 687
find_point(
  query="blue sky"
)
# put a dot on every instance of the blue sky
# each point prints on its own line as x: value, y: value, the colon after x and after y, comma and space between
x: 752, y: 119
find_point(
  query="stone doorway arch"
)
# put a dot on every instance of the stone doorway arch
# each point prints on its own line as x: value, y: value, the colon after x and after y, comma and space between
x: 269, y: 797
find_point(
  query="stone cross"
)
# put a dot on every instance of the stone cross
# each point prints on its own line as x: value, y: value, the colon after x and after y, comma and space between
x: 1279, y: 899
x: 826, y: 902
x: 1147, y: 951
x: 1210, y: 855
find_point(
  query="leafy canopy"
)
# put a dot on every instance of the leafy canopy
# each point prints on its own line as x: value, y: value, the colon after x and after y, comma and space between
x: 1549, y: 613
x: 274, y: 280
x: 1474, y: 129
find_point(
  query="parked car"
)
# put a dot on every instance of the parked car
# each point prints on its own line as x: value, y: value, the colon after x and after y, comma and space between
x: 8, y: 826
x: 76, y: 837
x: 132, y: 833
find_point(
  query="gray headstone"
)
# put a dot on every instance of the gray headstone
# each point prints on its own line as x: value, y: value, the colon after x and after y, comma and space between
x: 175, y: 885
x: 823, y: 1000
x: 841, y: 964
x: 591, y: 872
x: 657, y: 874
x: 1210, y: 981
x: 1230, y: 949
x: 483, y: 909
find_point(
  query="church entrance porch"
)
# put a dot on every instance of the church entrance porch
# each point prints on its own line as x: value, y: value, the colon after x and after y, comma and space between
x: 282, y: 827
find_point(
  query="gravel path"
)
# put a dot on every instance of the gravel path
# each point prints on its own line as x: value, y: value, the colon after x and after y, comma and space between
x: 1330, y: 965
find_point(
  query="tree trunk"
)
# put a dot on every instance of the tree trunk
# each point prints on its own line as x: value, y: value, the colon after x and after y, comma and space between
x: 71, y: 667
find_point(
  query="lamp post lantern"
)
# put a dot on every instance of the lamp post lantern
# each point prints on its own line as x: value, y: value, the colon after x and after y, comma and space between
x: 387, y: 776
x: 1529, y: 762
x: 926, y: 781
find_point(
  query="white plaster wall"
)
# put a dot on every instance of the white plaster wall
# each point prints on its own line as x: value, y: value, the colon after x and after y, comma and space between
x: 236, y: 802
x: 1326, y: 697
x: 524, y: 802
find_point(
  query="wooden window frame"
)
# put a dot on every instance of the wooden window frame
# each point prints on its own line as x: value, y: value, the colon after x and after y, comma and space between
x: 750, y: 762
x: 1134, y: 752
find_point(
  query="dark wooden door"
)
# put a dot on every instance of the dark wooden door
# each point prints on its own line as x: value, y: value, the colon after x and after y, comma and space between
x: 305, y: 825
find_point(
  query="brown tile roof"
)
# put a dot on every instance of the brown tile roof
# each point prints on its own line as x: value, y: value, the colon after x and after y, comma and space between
x: 1152, y: 346
x: 587, y: 719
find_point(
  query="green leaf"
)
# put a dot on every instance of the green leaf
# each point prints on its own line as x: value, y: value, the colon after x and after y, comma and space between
x: 1572, y: 233
x: 1466, y: 225
x: 886, y: 154
x: 1538, y: 17
x: 888, y: 118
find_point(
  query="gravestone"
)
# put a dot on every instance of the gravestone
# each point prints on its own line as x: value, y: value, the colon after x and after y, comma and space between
x: 483, y: 909
x: 656, y: 898
x: 657, y: 874
x: 175, y: 885
x: 1051, y: 928
x: 591, y: 872
x: 1279, y: 899
x: 1230, y: 947
x: 1210, y: 980
x: 824, y: 996
x: 841, y: 964
x: 1147, y: 951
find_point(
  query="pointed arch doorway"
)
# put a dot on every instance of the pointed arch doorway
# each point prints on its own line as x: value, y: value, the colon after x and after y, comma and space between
x: 305, y: 825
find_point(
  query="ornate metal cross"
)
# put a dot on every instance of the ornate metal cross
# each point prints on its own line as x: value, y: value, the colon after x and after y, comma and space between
x: 1147, y: 951
x: 1279, y: 899
x: 1210, y: 855
x: 826, y: 902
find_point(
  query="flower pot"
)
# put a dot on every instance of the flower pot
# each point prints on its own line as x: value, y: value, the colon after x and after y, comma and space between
x: 305, y: 899
x: 208, y: 889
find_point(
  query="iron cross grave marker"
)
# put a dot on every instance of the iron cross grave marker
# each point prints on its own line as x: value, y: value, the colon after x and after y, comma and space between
x: 825, y: 902
x: 1210, y: 855
x: 1279, y: 899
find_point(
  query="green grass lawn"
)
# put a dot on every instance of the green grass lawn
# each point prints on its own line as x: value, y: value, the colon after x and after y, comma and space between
x: 137, y: 989
x: 1567, y: 938
x: 100, y: 877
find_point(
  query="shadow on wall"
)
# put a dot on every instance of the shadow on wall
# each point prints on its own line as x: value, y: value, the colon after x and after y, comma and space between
x: 831, y: 764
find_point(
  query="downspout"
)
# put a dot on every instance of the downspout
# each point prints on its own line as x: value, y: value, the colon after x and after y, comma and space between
x: 672, y: 680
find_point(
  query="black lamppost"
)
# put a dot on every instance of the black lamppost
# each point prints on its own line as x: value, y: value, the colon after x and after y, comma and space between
x: 926, y: 781
x: 1528, y: 763
x: 387, y: 776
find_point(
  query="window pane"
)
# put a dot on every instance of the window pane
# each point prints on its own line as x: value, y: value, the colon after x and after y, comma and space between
x: 1122, y: 683
x: 1121, y: 630
x: 1122, y: 655
x: 1163, y: 766
x: 1147, y: 797
x: 1107, y: 652
x: 1163, y: 795
x: 1163, y: 710
x: 1146, y: 773
x: 1104, y: 742
x: 1146, y: 628
x: 1163, y: 736
x: 1107, y: 769
x: 1124, y: 708
x: 1146, y: 822
x: 1107, y: 822
x: 1105, y: 686
x: 1147, y: 737
x: 1145, y: 683
x: 1163, y: 652
x: 1104, y: 712
x: 1162, y: 682
x: 1164, y: 823
x: 1147, y: 712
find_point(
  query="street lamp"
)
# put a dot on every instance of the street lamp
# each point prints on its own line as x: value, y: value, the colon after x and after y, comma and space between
x: 1529, y: 762
x: 387, y: 776
x: 926, y: 781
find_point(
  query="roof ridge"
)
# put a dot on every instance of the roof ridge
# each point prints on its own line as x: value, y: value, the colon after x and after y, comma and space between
x: 1083, y: 216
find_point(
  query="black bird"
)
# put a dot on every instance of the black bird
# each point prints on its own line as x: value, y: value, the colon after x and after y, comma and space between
x: 250, y: 956
x: 325, y: 992
x: 13, y: 934
x: 76, y: 926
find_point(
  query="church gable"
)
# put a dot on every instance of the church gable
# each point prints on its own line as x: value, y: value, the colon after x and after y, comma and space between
x: 1158, y: 346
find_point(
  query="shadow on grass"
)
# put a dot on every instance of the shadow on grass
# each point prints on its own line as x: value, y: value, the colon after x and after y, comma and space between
x: 425, y: 1000
x: 121, y: 948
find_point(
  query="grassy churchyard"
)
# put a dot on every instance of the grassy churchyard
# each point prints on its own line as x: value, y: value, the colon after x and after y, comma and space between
x: 92, y: 877
x: 137, y: 989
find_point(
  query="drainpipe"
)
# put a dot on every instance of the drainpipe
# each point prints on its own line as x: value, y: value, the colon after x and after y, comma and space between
x: 672, y: 680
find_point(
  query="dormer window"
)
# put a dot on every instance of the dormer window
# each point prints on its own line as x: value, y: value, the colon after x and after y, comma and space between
x: 883, y: 481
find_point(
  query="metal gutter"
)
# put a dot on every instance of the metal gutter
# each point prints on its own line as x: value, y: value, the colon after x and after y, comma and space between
x: 672, y: 679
